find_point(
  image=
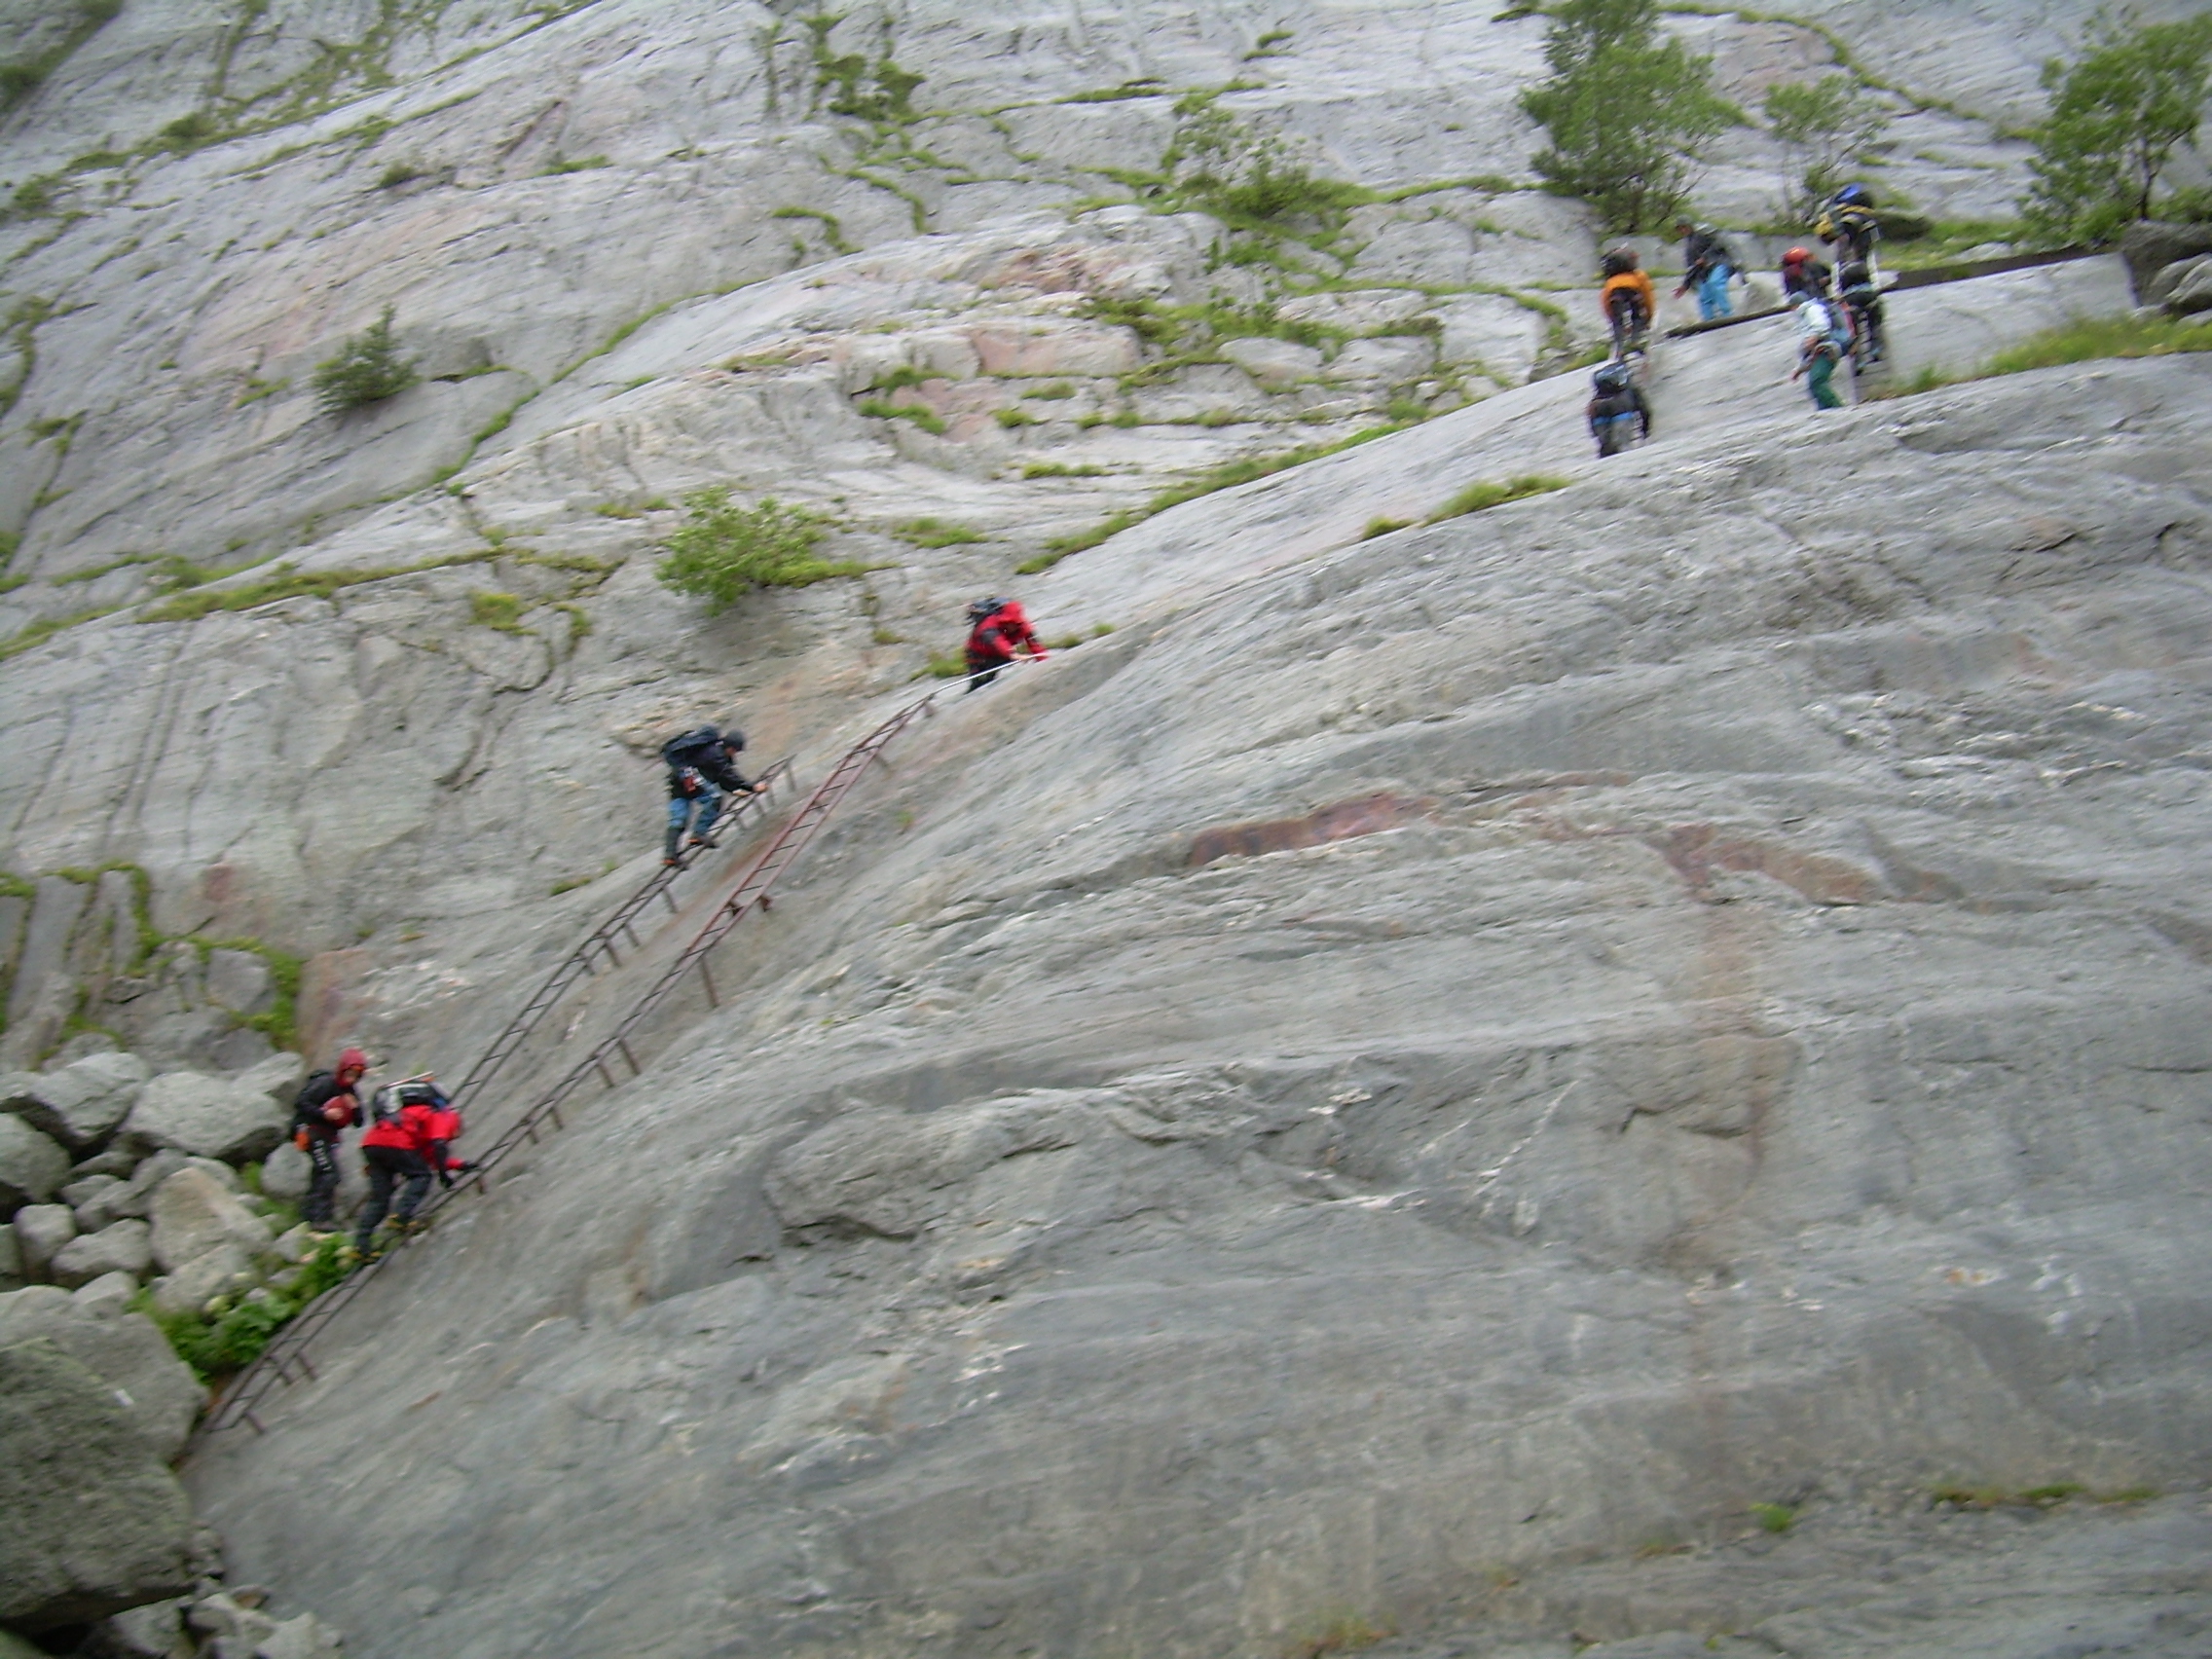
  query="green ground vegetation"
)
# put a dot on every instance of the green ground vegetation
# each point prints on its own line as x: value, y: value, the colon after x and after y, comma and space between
x: 1495, y: 493
x: 1228, y: 477
x: 229, y: 1335
x: 722, y: 550
x: 936, y: 532
x: 2081, y: 342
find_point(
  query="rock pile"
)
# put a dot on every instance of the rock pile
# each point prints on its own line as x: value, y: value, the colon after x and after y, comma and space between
x: 115, y: 1180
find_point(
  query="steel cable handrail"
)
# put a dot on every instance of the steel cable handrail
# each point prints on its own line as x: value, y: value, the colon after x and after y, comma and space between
x: 286, y: 1352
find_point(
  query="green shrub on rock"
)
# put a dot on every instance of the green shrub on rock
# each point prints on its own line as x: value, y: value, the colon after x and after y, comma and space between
x: 724, y: 550
x: 367, y: 370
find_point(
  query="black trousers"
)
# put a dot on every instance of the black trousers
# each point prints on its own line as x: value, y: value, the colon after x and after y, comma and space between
x: 323, y: 1182
x: 389, y: 1166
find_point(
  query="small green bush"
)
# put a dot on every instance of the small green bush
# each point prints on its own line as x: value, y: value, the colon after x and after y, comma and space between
x: 367, y: 370
x: 1774, y: 1517
x: 397, y: 175
x: 878, y: 409
x: 722, y: 550
x: 499, y: 610
x: 1383, y: 526
x: 230, y: 1337
x: 1475, y: 497
x: 1010, y: 418
x: 1053, y: 392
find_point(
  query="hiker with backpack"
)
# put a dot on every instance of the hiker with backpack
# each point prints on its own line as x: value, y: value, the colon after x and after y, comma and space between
x: 1628, y: 300
x: 409, y: 1143
x: 1849, y: 226
x: 701, y: 775
x: 998, y: 632
x: 328, y: 1104
x: 1708, y: 265
x: 1620, y: 413
x: 1823, y: 336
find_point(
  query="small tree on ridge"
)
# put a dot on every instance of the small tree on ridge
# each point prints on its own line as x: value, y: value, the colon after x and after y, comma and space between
x: 1627, y: 114
x: 2116, y: 119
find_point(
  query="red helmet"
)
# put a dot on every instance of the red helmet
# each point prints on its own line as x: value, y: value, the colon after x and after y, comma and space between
x: 353, y: 1060
x: 1796, y: 256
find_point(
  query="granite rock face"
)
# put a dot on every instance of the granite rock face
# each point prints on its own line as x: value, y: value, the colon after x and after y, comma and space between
x: 1462, y: 1052
x: 1416, y: 1065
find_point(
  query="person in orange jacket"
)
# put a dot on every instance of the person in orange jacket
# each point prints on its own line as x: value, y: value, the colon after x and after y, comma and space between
x: 1628, y: 300
x: 408, y: 1143
x: 326, y: 1106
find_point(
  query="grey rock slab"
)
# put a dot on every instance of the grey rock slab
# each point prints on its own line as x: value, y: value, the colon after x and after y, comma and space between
x: 192, y: 1214
x: 95, y: 1522
x: 41, y: 969
x: 240, y: 980
x: 1393, y: 359
x: 207, y: 1116
x: 1641, y: 999
x: 32, y: 1167
x: 41, y: 1231
x: 127, y: 1350
x: 1274, y: 362
x: 122, y: 1247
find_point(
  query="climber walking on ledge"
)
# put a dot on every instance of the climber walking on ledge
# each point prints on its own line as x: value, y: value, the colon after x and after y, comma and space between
x: 998, y: 631
x: 701, y: 774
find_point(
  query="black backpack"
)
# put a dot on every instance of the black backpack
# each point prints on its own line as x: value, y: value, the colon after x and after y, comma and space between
x: 686, y: 749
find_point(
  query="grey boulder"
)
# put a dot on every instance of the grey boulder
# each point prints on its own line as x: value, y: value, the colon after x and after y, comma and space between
x: 41, y: 1231
x: 91, y: 1522
x: 285, y: 1173
x: 2150, y: 248
x: 109, y: 1293
x: 124, y: 1350
x: 80, y: 1104
x: 249, y: 1633
x: 134, y: 1196
x: 193, y: 1215
x: 212, y: 1117
x: 2192, y: 293
x: 125, y: 1247
x: 154, y: 1630
x: 189, y: 1289
x: 32, y: 1167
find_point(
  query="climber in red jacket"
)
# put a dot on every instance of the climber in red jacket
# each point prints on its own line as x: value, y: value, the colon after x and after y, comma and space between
x: 409, y: 1142
x: 998, y: 631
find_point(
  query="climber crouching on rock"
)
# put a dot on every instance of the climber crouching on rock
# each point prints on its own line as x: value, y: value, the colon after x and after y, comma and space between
x: 998, y: 631
x: 409, y: 1142
x: 325, y: 1107
x: 701, y: 774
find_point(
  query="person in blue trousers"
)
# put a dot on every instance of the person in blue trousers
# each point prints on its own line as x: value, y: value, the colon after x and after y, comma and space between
x: 1708, y: 267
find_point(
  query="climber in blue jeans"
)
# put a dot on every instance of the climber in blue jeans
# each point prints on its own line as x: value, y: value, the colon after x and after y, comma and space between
x: 1707, y: 268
